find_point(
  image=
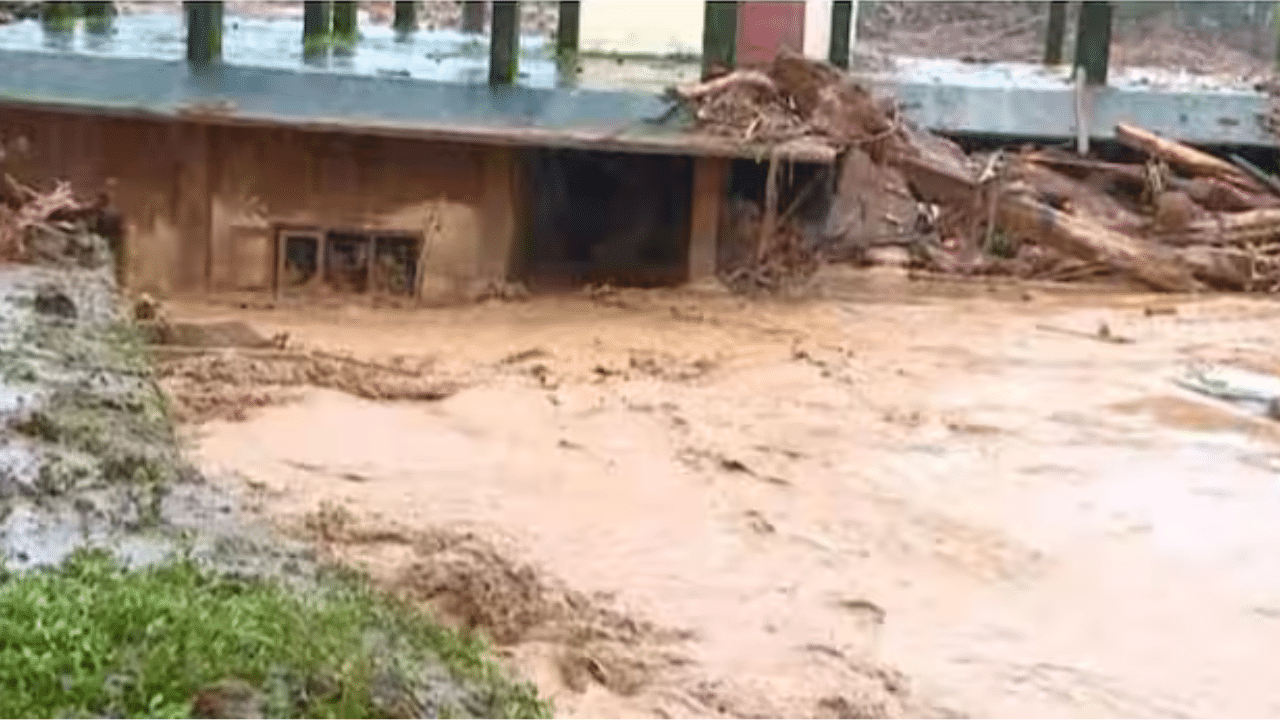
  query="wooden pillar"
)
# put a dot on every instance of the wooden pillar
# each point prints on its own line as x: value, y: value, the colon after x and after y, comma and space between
x: 406, y: 20
x: 504, y: 42
x: 204, y: 31
x: 841, y: 32
x: 719, y: 36
x: 710, y: 180
x: 316, y: 25
x: 1055, y: 33
x: 473, y: 16
x: 345, y: 31
x: 98, y: 15
x: 1093, y: 41
x: 567, y: 28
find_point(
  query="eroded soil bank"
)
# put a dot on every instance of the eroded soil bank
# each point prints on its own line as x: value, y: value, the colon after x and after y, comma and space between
x: 894, y: 498
x: 89, y: 459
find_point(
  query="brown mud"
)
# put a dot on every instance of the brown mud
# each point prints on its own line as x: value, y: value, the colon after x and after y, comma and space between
x: 891, y: 498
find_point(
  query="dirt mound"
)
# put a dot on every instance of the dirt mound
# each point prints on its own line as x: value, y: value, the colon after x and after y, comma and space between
x: 227, y: 385
x: 470, y: 583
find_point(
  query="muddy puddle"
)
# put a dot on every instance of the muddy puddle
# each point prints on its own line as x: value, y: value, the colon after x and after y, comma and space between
x: 685, y: 503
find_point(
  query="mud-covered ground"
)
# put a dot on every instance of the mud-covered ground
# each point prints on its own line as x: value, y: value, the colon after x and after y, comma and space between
x: 896, y: 498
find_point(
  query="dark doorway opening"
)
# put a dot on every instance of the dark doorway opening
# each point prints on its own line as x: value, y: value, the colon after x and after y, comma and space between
x: 805, y: 193
x: 598, y: 217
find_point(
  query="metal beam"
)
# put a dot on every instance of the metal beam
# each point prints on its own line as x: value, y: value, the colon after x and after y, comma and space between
x: 1093, y: 41
x: 719, y: 36
x: 204, y: 31
x: 1055, y: 33
x: 504, y: 42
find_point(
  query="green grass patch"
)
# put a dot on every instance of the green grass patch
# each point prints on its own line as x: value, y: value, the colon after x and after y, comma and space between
x: 93, y: 638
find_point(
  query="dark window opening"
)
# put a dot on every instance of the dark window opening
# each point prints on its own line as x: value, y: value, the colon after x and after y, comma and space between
x: 599, y: 217
x: 347, y: 261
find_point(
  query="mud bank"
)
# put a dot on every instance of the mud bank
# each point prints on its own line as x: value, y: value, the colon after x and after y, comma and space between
x: 90, y: 460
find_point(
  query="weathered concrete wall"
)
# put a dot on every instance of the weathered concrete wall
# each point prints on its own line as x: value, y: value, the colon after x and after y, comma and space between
x: 202, y: 204
x: 143, y: 157
x: 263, y: 179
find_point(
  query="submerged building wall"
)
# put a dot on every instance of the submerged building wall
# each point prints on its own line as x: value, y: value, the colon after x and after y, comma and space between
x: 203, y: 204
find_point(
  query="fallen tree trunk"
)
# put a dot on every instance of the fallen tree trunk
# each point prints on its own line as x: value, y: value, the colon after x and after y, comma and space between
x: 1252, y: 226
x: 1185, y: 157
x: 1082, y: 198
x: 1153, y: 264
x: 752, y: 78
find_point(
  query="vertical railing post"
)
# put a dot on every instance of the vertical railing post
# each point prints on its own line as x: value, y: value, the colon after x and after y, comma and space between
x: 58, y: 22
x: 317, y: 24
x: 204, y: 31
x: 1055, y: 32
x: 719, y: 36
x: 406, y: 20
x: 98, y: 15
x: 473, y: 15
x: 1093, y: 41
x: 504, y: 42
x: 345, y: 30
x: 839, y: 50
x: 567, y: 24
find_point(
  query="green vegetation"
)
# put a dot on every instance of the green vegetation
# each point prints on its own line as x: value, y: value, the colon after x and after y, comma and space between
x: 93, y: 638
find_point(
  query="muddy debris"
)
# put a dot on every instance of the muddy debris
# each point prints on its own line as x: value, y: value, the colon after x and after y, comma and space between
x: 1180, y: 220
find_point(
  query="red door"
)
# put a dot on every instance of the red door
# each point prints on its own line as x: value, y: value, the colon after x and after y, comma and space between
x: 764, y: 28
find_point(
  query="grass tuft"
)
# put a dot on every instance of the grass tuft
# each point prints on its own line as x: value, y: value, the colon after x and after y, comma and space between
x: 91, y: 637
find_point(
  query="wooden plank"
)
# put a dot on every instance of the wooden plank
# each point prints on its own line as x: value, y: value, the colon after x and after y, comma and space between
x: 204, y: 32
x: 1093, y: 41
x: 504, y: 42
x: 1185, y: 157
x: 719, y: 37
x: 1055, y: 33
x: 710, y: 180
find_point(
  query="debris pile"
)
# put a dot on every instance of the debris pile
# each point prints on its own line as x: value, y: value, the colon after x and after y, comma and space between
x: 51, y: 227
x: 1177, y: 219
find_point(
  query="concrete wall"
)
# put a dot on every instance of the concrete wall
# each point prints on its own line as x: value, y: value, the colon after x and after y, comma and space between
x: 202, y: 204
x: 653, y: 27
x: 665, y: 27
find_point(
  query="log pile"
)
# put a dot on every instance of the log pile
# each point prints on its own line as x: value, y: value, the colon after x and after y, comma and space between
x: 1169, y: 217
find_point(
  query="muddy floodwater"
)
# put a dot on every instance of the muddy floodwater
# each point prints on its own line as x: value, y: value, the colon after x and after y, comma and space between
x: 893, y: 498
